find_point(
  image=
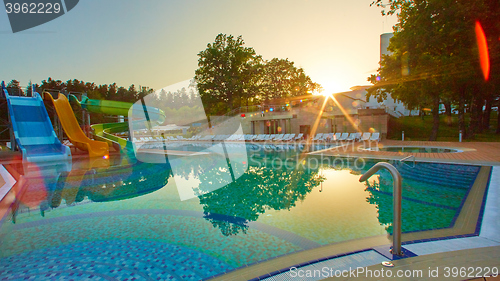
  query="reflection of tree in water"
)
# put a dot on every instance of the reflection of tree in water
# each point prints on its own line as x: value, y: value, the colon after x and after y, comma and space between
x: 187, y: 167
x: 425, y: 206
x: 259, y: 189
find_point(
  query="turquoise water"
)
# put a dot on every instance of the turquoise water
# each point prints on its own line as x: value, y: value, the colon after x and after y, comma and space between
x: 416, y: 149
x: 207, y: 214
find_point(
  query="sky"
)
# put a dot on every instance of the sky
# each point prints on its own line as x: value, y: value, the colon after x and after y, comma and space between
x: 155, y: 43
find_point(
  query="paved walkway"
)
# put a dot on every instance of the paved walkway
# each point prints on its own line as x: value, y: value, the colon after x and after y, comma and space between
x: 485, y: 153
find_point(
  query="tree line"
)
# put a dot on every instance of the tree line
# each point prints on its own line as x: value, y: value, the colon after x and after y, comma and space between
x: 93, y: 91
x: 438, y: 58
x: 231, y: 75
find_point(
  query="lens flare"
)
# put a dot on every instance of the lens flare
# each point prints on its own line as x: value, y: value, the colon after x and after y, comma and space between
x: 36, y: 188
x: 482, y: 45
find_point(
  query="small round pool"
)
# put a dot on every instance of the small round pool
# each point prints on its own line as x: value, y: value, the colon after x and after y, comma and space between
x: 415, y: 149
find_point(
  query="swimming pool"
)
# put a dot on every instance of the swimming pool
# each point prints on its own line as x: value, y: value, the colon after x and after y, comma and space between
x: 415, y: 149
x: 129, y: 219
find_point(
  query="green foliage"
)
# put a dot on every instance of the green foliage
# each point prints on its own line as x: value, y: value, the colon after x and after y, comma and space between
x: 231, y: 75
x: 281, y: 79
x: 416, y: 129
x: 93, y: 91
x: 435, y: 57
x: 225, y: 72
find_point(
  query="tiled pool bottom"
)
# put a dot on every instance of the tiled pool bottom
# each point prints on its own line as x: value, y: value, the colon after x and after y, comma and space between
x: 184, y: 228
x: 112, y: 260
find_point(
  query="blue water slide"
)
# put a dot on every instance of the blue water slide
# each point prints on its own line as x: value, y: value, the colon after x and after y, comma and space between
x: 33, y: 131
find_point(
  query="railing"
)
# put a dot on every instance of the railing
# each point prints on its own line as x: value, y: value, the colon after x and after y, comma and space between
x: 406, y: 159
x: 393, y: 113
x: 397, y: 197
x: 216, y: 120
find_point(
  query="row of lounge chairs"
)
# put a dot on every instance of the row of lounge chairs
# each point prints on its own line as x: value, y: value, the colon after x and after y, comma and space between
x: 337, y: 137
x: 346, y: 137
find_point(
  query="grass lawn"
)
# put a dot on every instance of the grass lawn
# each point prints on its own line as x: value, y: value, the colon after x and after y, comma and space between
x: 418, y: 129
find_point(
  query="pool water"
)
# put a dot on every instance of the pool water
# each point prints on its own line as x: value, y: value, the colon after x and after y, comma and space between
x: 130, y: 219
x: 417, y: 149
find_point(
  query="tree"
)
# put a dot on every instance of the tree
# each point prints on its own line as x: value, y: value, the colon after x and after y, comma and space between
x: 434, y: 57
x: 231, y: 75
x: 75, y: 86
x: 51, y: 84
x: 15, y: 87
x: 281, y: 79
x: 226, y: 73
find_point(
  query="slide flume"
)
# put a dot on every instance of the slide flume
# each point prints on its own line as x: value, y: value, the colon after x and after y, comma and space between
x: 105, y: 132
x: 33, y: 131
x: 72, y: 129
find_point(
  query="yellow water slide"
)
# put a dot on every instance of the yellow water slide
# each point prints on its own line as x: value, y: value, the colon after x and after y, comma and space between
x: 73, y: 130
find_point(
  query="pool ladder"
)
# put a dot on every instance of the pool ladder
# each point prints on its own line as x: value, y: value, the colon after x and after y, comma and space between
x: 402, y: 161
x: 397, y: 180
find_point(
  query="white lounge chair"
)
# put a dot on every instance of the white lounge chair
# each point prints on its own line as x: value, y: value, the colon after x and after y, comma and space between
x: 365, y: 137
x: 375, y: 137
x: 352, y: 137
x: 343, y: 137
x: 299, y: 137
x: 327, y: 137
x: 291, y: 137
x: 318, y: 137
x: 279, y: 137
x: 336, y: 137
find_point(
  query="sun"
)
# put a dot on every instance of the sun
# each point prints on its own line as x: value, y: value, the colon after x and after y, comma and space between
x: 329, y: 88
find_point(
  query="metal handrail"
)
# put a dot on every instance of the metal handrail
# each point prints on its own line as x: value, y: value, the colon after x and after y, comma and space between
x: 406, y: 158
x: 397, y: 197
